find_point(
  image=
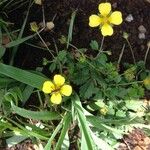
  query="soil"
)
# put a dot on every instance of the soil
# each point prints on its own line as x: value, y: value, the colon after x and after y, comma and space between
x: 29, y: 57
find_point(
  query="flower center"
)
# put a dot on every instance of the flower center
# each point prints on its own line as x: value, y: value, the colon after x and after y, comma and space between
x: 105, y: 20
x: 56, y: 89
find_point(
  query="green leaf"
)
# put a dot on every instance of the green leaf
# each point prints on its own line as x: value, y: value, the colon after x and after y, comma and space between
x: 23, y: 76
x: 87, y: 89
x: 41, y: 115
x: 24, y: 131
x: 101, y: 59
x: 2, y: 51
x: 5, y: 81
x: 62, y: 55
x: 134, y: 105
x: 66, y: 143
x: 83, y: 125
x: 26, y: 93
x: 69, y: 39
x: 16, y: 139
x: 101, y: 144
x: 18, y: 41
x: 83, y: 73
x: 97, y: 123
x: 53, y: 66
x: 94, y: 45
x: 13, y: 94
x: 66, y: 124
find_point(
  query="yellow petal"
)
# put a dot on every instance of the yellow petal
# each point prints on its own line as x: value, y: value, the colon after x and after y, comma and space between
x: 48, y: 86
x: 59, y: 80
x: 94, y: 21
x: 104, y: 8
x: 56, y: 98
x: 107, y: 30
x: 116, y: 18
x: 66, y: 90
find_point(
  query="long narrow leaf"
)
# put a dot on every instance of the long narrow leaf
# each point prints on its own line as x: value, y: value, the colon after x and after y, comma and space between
x: 18, y: 41
x: 23, y: 76
x: 67, y: 121
x: 49, y: 143
x: 71, y: 28
x: 83, y: 123
x: 41, y: 115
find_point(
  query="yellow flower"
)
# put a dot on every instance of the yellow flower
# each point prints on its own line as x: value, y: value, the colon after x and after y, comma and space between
x: 105, y: 19
x: 103, y: 111
x: 57, y: 89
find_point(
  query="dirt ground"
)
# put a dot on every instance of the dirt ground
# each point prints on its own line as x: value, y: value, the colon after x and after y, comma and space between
x: 136, y: 16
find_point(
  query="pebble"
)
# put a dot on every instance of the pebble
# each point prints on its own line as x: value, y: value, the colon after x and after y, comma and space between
x: 142, y: 29
x: 114, y: 5
x: 141, y: 36
x: 129, y: 18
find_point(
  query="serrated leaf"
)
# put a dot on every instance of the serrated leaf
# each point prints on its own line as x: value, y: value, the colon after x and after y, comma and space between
x: 87, y: 89
x: 94, y: 45
x: 101, y: 59
x: 62, y: 55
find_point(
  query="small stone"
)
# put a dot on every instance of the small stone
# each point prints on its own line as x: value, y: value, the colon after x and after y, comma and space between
x: 141, y: 36
x: 129, y: 18
x: 114, y: 5
x: 142, y: 29
x: 148, y: 1
x: 38, y: 2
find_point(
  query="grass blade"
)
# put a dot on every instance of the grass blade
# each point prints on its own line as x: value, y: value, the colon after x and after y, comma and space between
x: 83, y: 123
x: 71, y: 28
x: 37, y: 115
x: 67, y: 121
x: 23, y: 76
x: 18, y: 41
x: 49, y: 143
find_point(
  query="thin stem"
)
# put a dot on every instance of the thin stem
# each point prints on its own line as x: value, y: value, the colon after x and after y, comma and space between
x: 60, y: 65
x: 40, y: 99
x: 100, y: 50
x: 123, y: 84
x: 45, y: 44
x: 131, y: 50
x: 121, y: 54
x: 146, y: 54
x: 43, y: 14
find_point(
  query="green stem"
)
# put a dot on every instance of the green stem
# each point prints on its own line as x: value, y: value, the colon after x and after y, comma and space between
x: 56, y: 48
x: 147, y: 51
x: 131, y: 51
x: 124, y: 84
x: 45, y: 44
x: 121, y: 54
x: 100, y: 50
x: 40, y: 99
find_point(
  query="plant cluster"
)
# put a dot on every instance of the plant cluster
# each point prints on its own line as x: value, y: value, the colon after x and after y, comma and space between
x: 89, y: 95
